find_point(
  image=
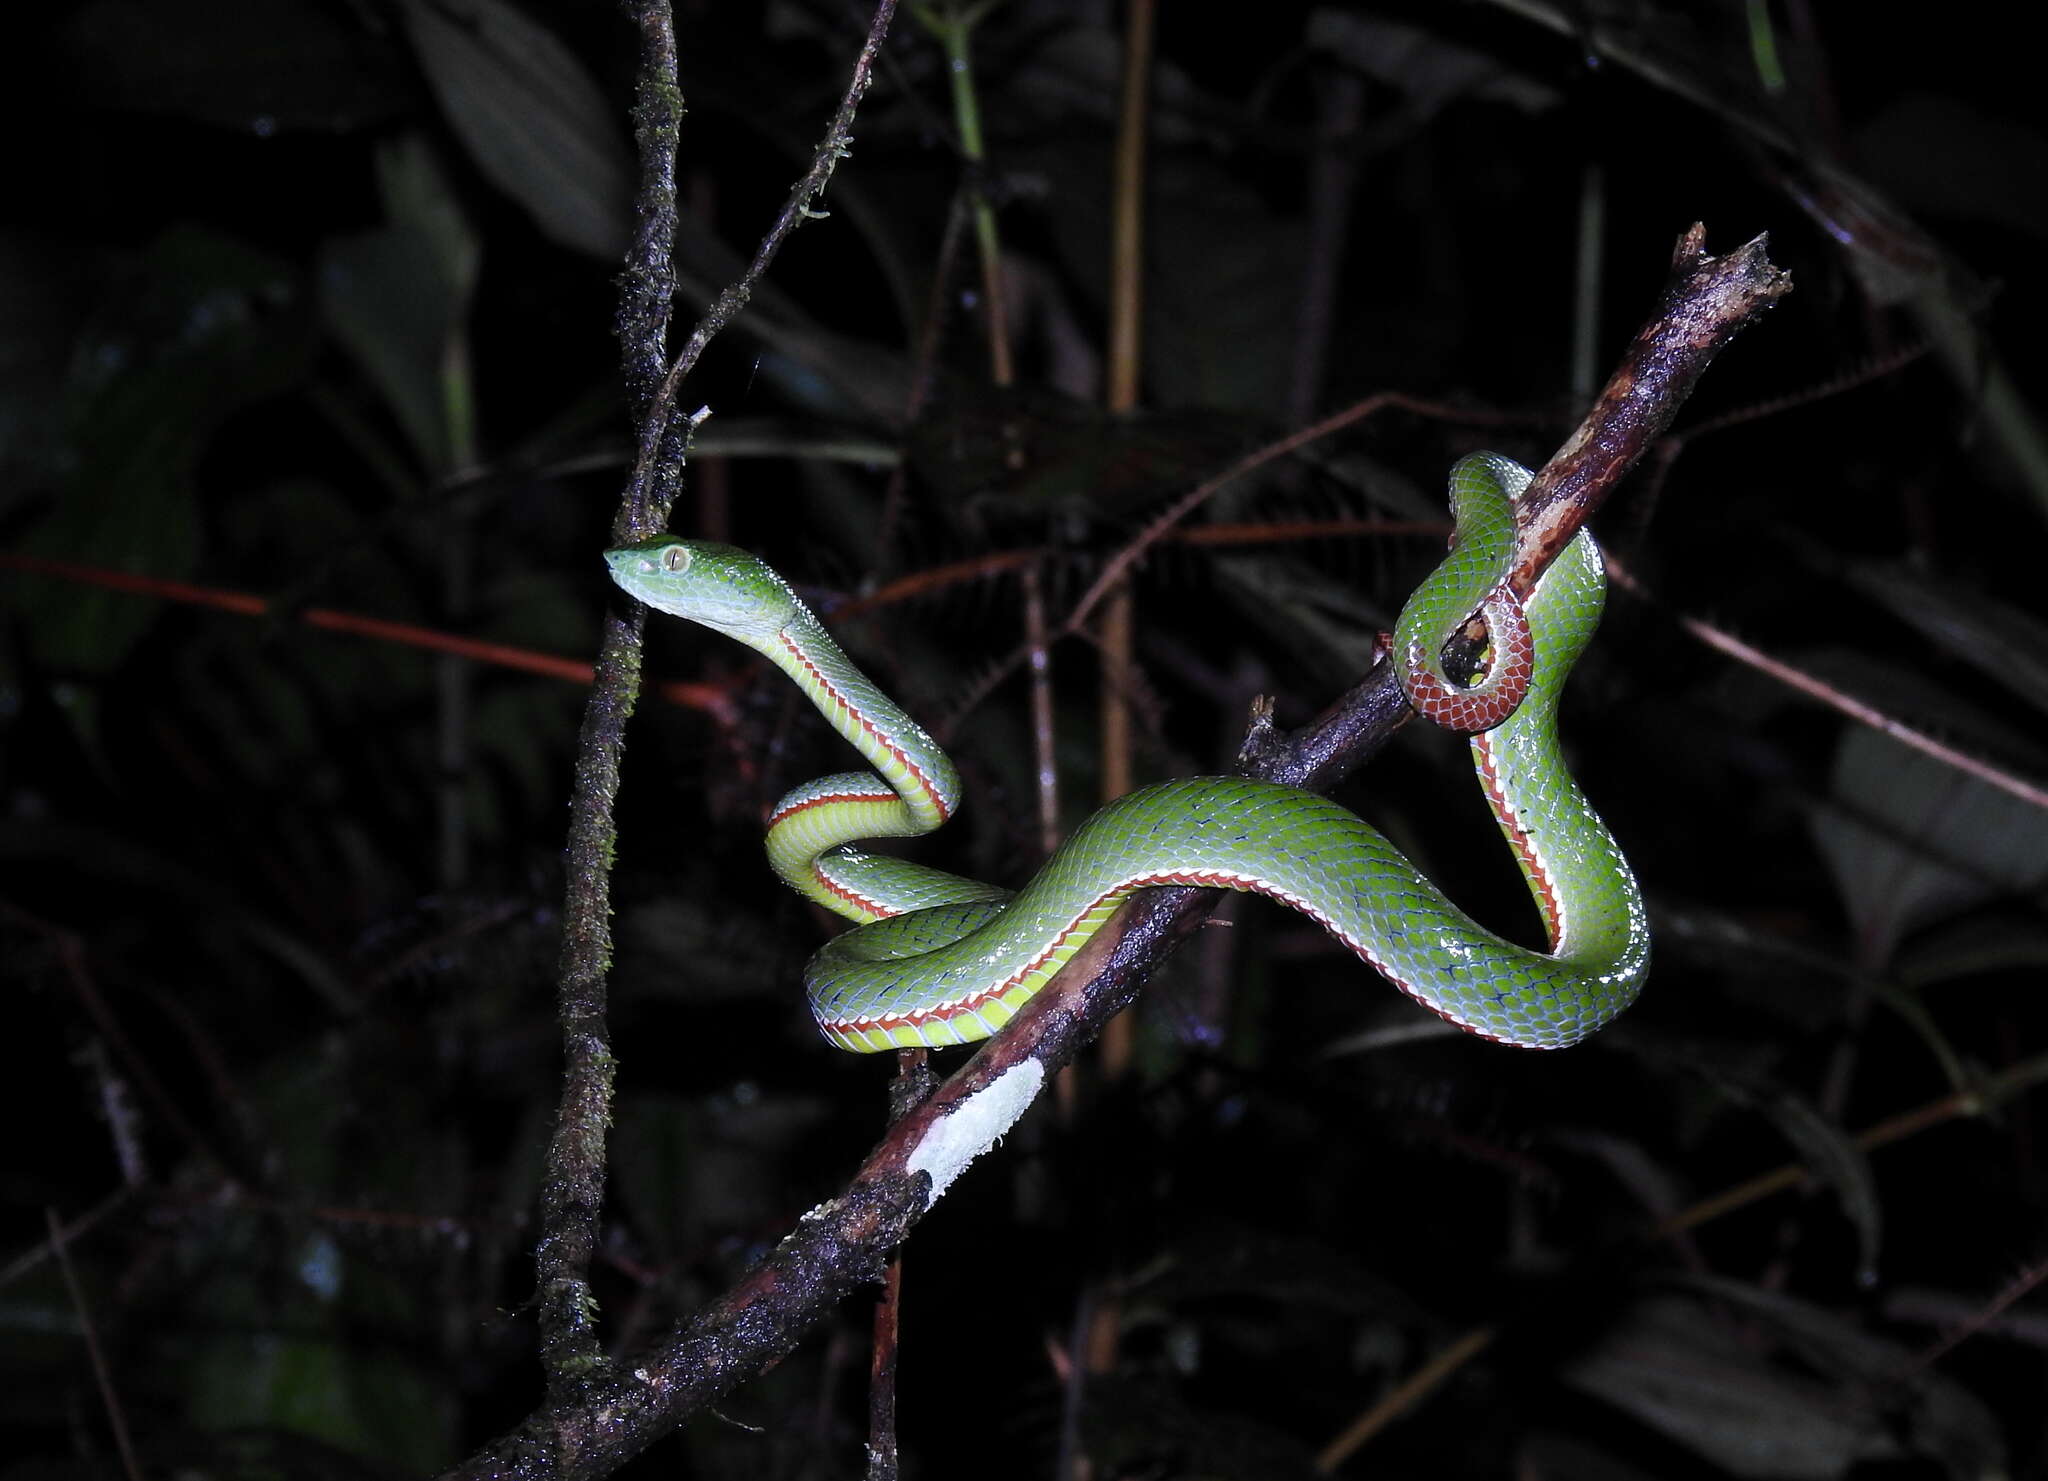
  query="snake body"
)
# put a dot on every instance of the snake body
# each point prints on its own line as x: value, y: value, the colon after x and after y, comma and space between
x: 939, y: 959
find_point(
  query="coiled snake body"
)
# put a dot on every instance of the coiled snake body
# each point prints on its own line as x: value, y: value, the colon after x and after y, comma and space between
x: 939, y: 959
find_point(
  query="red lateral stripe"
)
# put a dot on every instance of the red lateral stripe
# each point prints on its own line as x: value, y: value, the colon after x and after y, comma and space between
x: 1547, y: 902
x: 882, y: 794
x: 834, y: 887
x: 924, y: 782
x: 1206, y: 879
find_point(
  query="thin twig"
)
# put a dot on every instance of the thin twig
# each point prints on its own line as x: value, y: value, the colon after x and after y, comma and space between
x: 1993, y: 1092
x: 30, y: 1259
x: 72, y: 957
x: 799, y: 207
x: 116, y: 1420
x: 1404, y: 1396
x: 1862, y: 712
x: 1164, y: 525
x: 912, y: 1085
x: 1979, y: 1320
x: 954, y: 25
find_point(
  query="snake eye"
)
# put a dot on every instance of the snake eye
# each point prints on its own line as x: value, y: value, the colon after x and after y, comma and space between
x: 675, y: 558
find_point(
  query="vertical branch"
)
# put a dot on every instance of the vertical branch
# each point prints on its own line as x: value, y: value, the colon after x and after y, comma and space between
x: 647, y: 286
x: 1126, y: 360
x: 884, y: 1463
x: 909, y: 1090
x: 954, y: 28
x: 1333, y: 177
x: 573, y: 1186
x: 572, y: 1190
x: 657, y: 467
x: 1098, y: 1351
x: 1127, y: 219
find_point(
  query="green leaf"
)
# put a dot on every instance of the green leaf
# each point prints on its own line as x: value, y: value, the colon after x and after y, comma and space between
x: 1913, y: 841
x: 375, y: 1404
x: 398, y: 296
x: 192, y: 331
x: 1828, y: 1151
x: 1791, y: 1392
x: 531, y: 117
x: 1773, y: 975
x: 2008, y: 645
x: 690, y: 1170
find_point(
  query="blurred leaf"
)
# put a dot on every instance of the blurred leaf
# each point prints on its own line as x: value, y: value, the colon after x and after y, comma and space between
x: 1036, y: 461
x: 1431, y: 70
x: 49, y: 289
x: 728, y: 958
x: 1812, y: 1408
x: 373, y: 1403
x: 1221, y: 292
x: 1828, y: 1151
x: 1780, y: 977
x: 398, y: 295
x: 653, y: 1162
x: 691, y: 1171
x: 2007, y: 644
x: 1227, y: 1259
x: 1323, y: 622
x: 1700, y: 55
x: 192, y: 331
x: 1912, y: 841
x: 1146, y: 1426
x: 532, y: 118
x: 1972, y: 947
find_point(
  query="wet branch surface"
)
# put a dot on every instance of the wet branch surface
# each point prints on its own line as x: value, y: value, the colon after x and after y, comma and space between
x: 611, y: 1411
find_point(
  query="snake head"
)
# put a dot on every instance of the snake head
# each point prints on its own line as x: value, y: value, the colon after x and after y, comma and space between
x: 720, y: 586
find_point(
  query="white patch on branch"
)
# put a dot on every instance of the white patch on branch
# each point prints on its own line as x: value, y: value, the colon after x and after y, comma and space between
x: 975, y: 1125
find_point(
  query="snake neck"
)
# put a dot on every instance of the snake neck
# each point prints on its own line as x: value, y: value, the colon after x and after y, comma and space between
x: 912, y: 790
x: 895, y: 745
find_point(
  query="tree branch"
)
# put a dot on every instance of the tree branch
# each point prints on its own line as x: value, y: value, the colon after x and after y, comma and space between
x: 572, y: 1194
x: 846, y: 1242
x: 658, y: 462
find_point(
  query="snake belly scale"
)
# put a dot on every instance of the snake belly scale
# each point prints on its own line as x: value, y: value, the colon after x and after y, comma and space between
x: 937, y: 959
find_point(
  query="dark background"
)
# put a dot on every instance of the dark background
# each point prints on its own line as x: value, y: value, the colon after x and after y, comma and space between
x: 313, y: 301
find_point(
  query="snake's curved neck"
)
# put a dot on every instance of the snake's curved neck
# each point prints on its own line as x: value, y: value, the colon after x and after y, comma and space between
x: 913, y: 789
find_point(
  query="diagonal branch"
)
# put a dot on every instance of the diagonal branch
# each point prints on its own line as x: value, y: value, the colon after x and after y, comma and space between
x: 845, y: 1243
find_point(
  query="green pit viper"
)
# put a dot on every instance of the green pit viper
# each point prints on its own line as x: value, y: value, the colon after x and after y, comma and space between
x: 938, y: 959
